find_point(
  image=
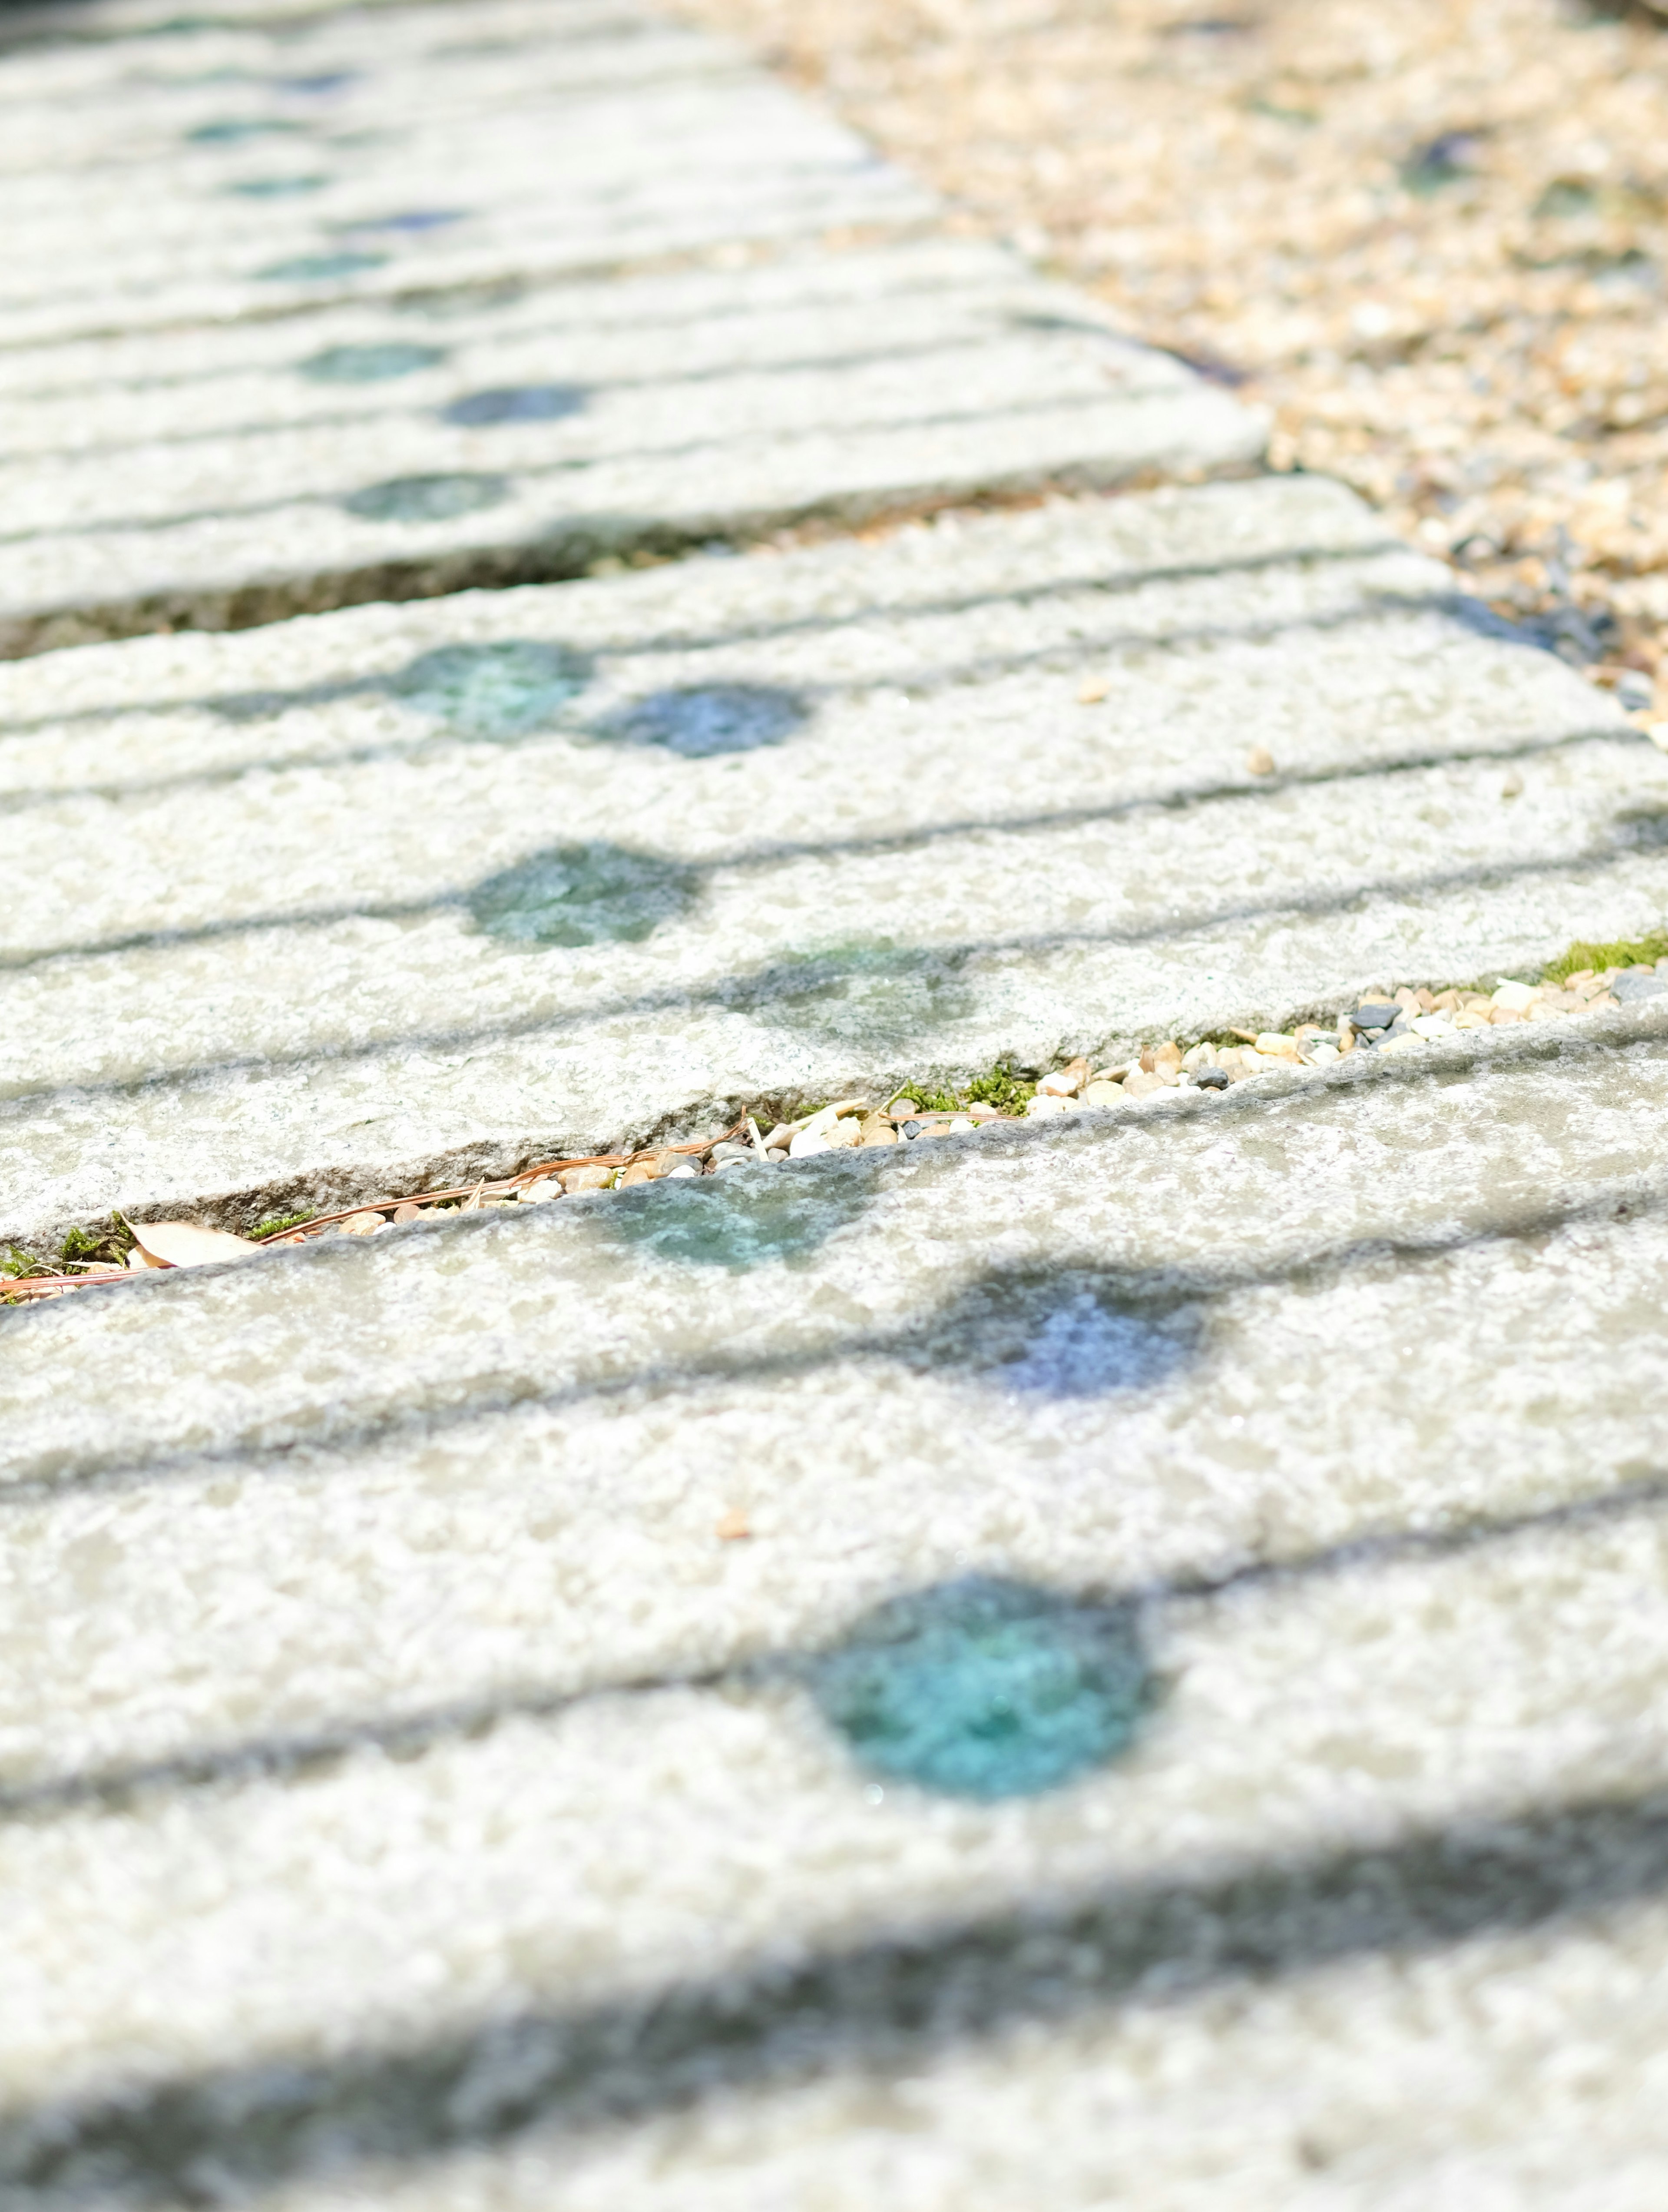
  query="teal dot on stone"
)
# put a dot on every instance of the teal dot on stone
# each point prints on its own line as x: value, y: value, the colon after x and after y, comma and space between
x: 370, y: 364
x: 986, y: 1688
x: 573, y: 895
x: 318, y: 268
x: 746, y: 1217
x: 860, y: 993
x: 426, y: 499
x: 277, y: 188
x: 232, y: 130
x: 503, y: 690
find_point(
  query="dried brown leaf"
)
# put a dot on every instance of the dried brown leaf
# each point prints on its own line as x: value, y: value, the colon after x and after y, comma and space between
x: 186, y: 1244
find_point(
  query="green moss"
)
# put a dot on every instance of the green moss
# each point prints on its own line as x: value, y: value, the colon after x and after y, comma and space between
x: 1001, y: 1089
x: 18, y: 1262
x: 276, y: 1224
x: 82, y: 1244
x: 1624, y: 952
x: 930, y: 1102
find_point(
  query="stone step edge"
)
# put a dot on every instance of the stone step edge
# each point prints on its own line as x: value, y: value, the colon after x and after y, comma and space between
x: 770, y: 1135
x: 598, y: 547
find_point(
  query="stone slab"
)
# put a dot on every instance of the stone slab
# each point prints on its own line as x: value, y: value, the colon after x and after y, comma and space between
x: 796, y: 400
x: 544, y: 186
x: 360, y: 1601
x: 417, y: 890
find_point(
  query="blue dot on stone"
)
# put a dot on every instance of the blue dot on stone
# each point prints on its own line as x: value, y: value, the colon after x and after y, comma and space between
x: 986, y: 1688
x: 411, y: 221
x: 574, y: 895
x: 426, y: 499
x: 370, y: 364
x: 505, y: 689
x: 701, y: 721
x: 516, y: 402
x: 318, y: 268
x: 1088, y: 1346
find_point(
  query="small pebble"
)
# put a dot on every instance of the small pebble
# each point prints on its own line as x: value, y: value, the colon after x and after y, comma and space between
x: 1638, y: 983
x: 587, y: 1178
x: 1212, y: 1079
x: 1374, y: 1014
x: 1260, y: 761
x: 538, y: 1193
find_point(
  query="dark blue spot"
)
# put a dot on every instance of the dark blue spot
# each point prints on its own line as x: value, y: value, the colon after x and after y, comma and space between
x: 516, y: 402
x: 704, y: 720
x: 318, y: 268
x: 276, y: 188
x: 370, y: 364
x: 233, y: 130
x: 1066, y: 1334
x: 415, y: 222
x: 900, y: 997
x: 426, y: 499
x: 1447, y: 159
x: 504, y: 689
x: 986, y: 1688
x: 1086, y: 1348
x: 573, y: 895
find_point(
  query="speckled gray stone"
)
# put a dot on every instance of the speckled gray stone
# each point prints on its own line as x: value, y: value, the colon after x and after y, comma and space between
x: 361, y: 1602
x: 530, y: 439
x: 526, y: 872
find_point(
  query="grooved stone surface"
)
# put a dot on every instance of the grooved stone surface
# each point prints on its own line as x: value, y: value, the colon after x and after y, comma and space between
x: 335, y: 349
x: 533, y: 871
x: 1391, y: 1817
x: 1113, y: 1662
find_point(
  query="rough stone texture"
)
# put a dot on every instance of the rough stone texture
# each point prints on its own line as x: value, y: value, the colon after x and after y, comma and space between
x: 193, y: 444
x: 456, y: 1681
x: 800, y: 389
x: 350, y: 896
x: 360, y: 1603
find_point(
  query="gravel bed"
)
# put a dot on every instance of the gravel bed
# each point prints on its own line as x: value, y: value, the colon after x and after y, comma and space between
x: 1431, y: 239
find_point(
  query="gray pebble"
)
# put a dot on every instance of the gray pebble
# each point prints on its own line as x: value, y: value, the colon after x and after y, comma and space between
x: 1633, y: 986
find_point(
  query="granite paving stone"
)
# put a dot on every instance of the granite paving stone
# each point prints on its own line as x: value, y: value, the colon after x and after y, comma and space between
x: 505, y: 462
x: 1330, y: 1423
x: 1112, y: 1659
x: 523, y: 874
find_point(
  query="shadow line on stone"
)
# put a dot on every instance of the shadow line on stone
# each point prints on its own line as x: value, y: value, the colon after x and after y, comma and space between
x: 873, y: 2004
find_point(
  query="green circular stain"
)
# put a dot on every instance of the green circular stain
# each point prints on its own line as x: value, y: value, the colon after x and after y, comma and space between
x: 860, y: 993
x: 985, y: 1688
x: 318, y: 268
x: 370, y: 364
x: 426, y: 499
x: 503, y: 690
x: 232, y: 130
x: 276, y: 188
x: 573, y: 895
x: 744, y: 1219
